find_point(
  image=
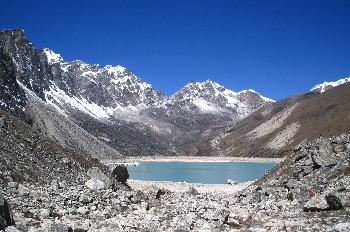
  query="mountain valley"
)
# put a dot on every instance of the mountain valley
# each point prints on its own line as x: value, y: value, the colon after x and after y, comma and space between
x: 62, y: 121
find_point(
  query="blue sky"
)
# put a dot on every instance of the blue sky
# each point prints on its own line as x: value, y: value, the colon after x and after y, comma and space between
x: 278, y: 48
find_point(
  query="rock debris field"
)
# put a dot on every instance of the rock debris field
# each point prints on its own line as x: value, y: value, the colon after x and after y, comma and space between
x: 308, y: 191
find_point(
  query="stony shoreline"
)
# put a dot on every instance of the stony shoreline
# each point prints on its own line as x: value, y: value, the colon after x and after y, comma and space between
x: 186, y: 187
x: 136, y: 159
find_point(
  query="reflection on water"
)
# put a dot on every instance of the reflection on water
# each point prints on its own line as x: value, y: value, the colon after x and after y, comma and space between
x: 199, y: 172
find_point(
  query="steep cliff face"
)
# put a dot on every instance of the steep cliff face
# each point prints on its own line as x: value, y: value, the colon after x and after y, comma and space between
x: 12, y: 98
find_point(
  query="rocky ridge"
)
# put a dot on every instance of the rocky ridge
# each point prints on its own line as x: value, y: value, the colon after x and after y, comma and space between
x: 329, y: 85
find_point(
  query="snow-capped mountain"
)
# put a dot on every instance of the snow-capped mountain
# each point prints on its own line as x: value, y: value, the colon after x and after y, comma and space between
x: 97, y: 91
x: 111, y: 103
x: 328, y: 85
x: 211, y: 97
x: 115, y: 91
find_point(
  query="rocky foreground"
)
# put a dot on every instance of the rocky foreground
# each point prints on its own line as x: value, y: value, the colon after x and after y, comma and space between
x: 309, y: 191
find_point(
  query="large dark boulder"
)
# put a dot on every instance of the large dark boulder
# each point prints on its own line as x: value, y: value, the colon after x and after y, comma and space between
x: 333, y: 202
x: 5, y: 213
x: 120, y: 173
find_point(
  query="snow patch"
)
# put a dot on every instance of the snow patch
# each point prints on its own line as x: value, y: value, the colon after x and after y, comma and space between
x: 56, y: 97
x: 205, y: 106
x: 52, y: 58
x: 114, y: 69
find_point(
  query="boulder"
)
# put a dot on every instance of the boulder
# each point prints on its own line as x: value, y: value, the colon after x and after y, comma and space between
x: 12, y: 229
x: 324, y: 156
x: 95, y: 184
x: 2, y: 122
x: 59, y: 227
x: 323, y: 202
x: 97, y: 176
x: 23, y: 190
x: 333, y: 202
x: 120, y: 173
x: 193, y: 191
x: 342, y: 227
x: 5, y: 213
x: 138, y: 197
x: 54, y: 185
x: 317, y: 203
x: 160, y: 192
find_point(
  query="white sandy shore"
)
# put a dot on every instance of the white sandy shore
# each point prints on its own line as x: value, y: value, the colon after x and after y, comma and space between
x: 192, y: 159
x: 184, y: 187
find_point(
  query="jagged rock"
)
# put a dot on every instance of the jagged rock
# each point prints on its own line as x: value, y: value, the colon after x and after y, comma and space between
x: 232, y: 222
x: 13, y: 185
x: 2, y: 122
x: 45, y: 213
x: 120, y: 173
x: 65, y: 161
x: 23, y: 190
x: 96, y: 174
x: 316, y: 203
x: 338, y: 147
x: 193, y: 191
x: 137, y: 197
x: 54, y: 184
x: 5, y: 212
x: 160, y: 192
x: 80, y: 230
x: 347, y: 146
x: 59, y: 227
x: 323, y: 202
x: 325, y: 155
x: 333, y: 202
x: 83, y: 210
x: 85, y: 199
x: 95, y: 184
x: 342, y: 227
x: 12, y: 229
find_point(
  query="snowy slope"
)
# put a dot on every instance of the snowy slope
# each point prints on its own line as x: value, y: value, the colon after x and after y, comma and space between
x: 328, y: 85
x: 52, y: 58
x: 114, y: 91
x: 211, y: 97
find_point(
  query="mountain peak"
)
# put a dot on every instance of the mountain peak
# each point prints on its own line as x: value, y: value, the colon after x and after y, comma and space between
x: 115, y: 69
x: 203, y: 86
x: 52, y: 57
x: 328, y: 85
x: 252, y: 91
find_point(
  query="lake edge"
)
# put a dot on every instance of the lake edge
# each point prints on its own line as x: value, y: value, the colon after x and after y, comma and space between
x: 144, y: 159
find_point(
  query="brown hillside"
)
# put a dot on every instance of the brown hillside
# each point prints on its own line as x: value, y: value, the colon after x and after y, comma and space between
x: 308, y: 116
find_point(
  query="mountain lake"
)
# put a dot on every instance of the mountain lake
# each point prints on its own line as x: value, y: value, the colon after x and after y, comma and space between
x: 199, y: 172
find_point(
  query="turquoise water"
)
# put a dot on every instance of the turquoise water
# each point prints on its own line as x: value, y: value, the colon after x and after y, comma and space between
x: 199, y: 172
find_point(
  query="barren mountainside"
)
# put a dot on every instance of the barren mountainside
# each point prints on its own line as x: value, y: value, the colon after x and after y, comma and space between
x: 276, y: 128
